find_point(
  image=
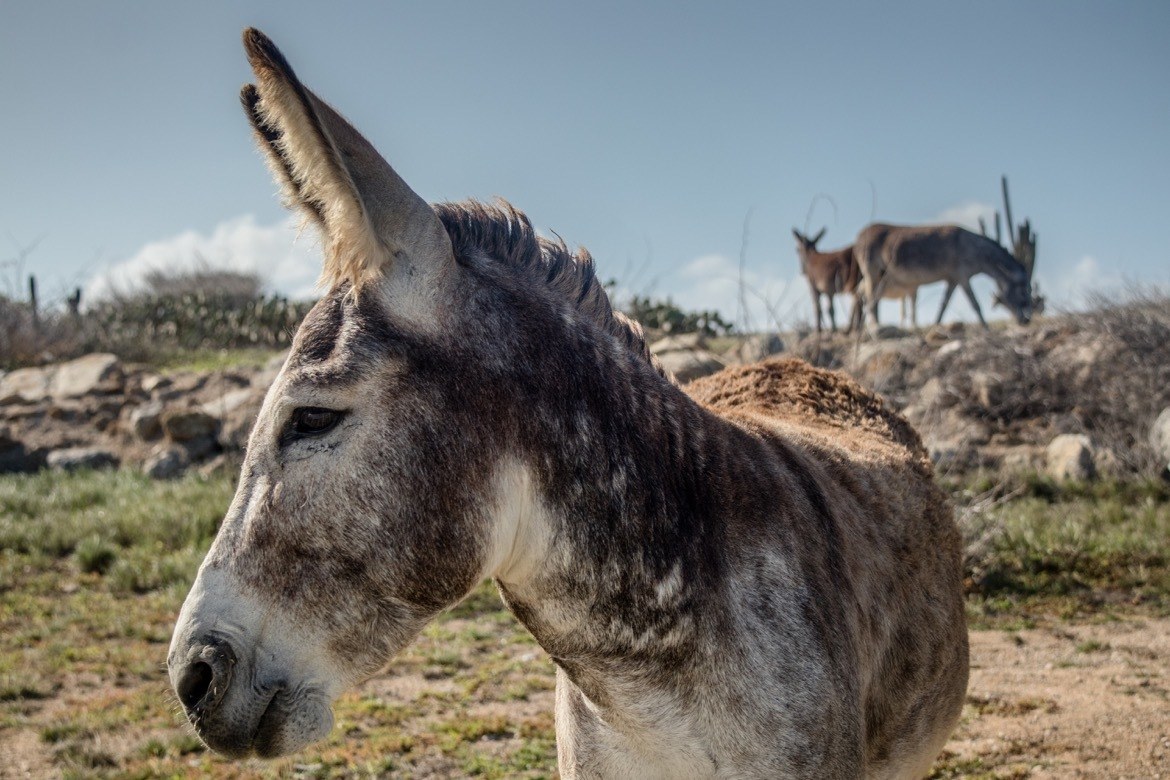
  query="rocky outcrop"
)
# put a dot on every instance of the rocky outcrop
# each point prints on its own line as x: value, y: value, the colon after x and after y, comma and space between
x: 98, y: 412
x: 1071, y: 396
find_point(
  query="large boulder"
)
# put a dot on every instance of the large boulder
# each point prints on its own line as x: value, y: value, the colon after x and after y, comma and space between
x: 26, y: 385
x: 1071, y: 456
x: 100, y: 372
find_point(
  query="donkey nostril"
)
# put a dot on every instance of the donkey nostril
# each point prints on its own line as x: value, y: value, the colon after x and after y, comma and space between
x: 193, y: 687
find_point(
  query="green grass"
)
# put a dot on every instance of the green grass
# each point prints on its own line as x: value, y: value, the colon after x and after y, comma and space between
x: 94, y: 567
x: 1072, y: 549
x: 214, y: 359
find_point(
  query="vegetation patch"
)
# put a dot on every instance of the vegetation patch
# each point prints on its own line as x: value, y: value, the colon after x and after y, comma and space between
x: 94, y: 567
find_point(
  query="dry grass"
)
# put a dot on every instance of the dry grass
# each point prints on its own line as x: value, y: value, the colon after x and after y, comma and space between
x: 93, y: 568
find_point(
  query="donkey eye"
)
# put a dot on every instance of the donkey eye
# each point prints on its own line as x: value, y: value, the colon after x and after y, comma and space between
x: 312, y: 421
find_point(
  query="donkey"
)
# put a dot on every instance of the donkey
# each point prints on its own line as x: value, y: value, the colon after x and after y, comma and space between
x: 901, y: 256
x: 756, y: 579
x: 836, y: 272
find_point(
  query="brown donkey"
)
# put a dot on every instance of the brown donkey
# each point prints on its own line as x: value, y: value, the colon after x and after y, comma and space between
x: 754, y: 578
x: 836, y: 272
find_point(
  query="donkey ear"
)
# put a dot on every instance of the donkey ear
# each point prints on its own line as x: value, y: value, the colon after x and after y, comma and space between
x: 372, y: 222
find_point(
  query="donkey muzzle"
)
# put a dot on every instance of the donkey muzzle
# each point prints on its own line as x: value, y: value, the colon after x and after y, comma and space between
x: 202, y: 676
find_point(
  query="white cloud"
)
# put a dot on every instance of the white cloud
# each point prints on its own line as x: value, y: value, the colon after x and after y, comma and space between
x: 286, y: 262
x: 712, y: 282
x: 1073, y: 289
x: 967, y: 215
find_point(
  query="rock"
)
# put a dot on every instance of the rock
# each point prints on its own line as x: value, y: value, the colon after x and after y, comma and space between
x: 75, y: 458
x: 1079, y: 356
x: 1107, y: 464
x: 237, y: 411
x: 881, y: 357
x: 952, y: 439
x: 183, y: 425
x: 690, y: 364
x: 146, y: 421
x: 759, y: 346
x: 949, y: 348
x: 220, y: 464
x: 200, y: 447
x: 988, y: 389
x: 681, y: 342
x: 1160, y: 438
x: 100, y: 372
x: 152, y: 382
x: 1023, y: 458
x: 166, y: 462
x: 26, y: 385
x: 15, y: 457
x: 228, y: 402
x: 178, y: 386
x: 931, y: 396
x: 1071, y: 456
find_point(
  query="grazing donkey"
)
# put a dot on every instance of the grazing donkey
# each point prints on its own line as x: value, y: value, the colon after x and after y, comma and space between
x: 896, y: 256
x: 755, y: 579
x: 836, y: 272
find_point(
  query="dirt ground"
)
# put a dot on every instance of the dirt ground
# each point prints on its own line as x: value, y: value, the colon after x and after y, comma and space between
x: 1083, y: 700
x: 1067, y: 701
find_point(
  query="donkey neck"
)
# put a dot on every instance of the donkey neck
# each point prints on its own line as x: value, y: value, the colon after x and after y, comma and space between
x: 629, y: 481
x: 1000, y: 265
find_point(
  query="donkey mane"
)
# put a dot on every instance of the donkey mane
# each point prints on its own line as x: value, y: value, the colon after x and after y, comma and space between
x: 505, y: 234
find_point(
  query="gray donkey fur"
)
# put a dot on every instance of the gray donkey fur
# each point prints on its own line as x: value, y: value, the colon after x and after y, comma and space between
x: 756, y: 577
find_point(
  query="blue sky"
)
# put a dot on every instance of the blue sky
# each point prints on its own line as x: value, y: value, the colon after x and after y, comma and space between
x: 646, y: 132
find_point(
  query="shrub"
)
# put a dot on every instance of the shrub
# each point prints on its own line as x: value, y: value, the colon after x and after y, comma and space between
x: 95, y: 555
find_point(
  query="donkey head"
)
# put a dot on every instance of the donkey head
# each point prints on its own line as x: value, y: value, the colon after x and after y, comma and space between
x: 806, y: 246
x: 380, y: 483
x: 1015, y: 295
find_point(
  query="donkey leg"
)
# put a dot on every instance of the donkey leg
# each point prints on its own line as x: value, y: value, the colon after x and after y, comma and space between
x: 856, y: 315
x: 946, y: 299
x: 873, y: 300
x: 974, y: 303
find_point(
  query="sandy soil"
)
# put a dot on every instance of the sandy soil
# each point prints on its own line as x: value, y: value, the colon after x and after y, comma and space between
x: 1061, y: 701
x: 1058, y: 701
